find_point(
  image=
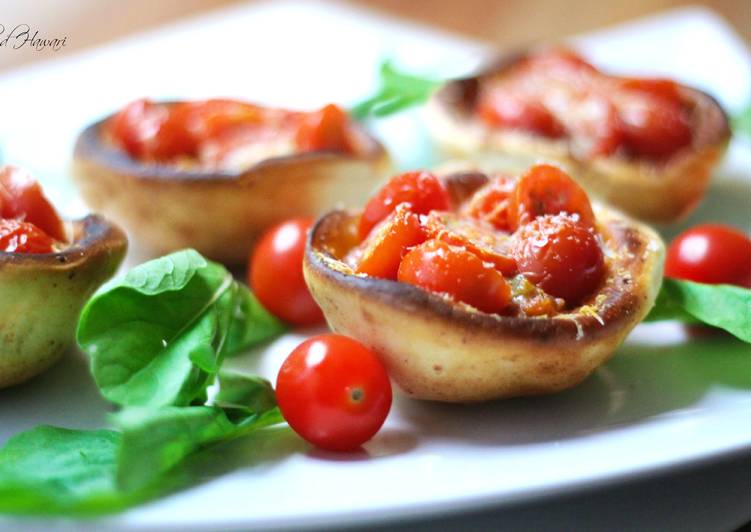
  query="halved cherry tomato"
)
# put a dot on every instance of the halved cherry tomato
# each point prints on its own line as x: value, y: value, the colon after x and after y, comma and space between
x: 439, y: 267
x: 22, y: 198
x: 422, y: 190
x: 389, y: 241
x: 275, y: 273
x: 24, y: 237
x: 501, y: 108
x: 477, y: 236
x: 561, y: 256
x: 491, y: 202
x: 654, y: 127
x: 327, y: 129
x: 210, y: 119
x: 711, y: 253
x: 546, y: 189
x: 334, y: 392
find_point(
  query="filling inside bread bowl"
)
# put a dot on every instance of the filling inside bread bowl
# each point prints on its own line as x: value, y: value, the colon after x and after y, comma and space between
x: 646, y: 146
x: 213, y: 175
x: 474, y: 287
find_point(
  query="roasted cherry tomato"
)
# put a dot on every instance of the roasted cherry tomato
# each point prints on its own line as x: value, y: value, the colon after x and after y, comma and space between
x: 387, y: 243
x: 711, y: 253
x: 491, y: 203
x: 22, y: 198
x: 654, y: 127
x: 439, y: 267
x: 561, y: 256
x: 334, y: 392
x: 422, y: 190
x: 546, y: 189
x: 327, y: 129
x: 24, y: 237
x: 503, y: 109
x: 275, y: 273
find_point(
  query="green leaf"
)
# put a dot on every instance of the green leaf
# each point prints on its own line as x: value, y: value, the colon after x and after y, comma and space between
x: 158, y: 336
x: 156, y: 440
x: 247, y: 393
x: 742, y: 121
x: 724, y: 306
x: 398, y: 91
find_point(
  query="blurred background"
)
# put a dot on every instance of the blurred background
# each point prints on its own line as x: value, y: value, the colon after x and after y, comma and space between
x: 503, y: 22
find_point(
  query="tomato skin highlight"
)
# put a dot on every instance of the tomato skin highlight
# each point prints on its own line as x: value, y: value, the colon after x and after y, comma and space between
x: 422, y: 190
x: 334, y: 392
x: 560, y: 255
x: 712, y: 254
x: 276, y: 277
x: 546, y: 189
x: 21, y: 198
x: 389, y: 241
x: 24, y: 237
x: 439, y: 267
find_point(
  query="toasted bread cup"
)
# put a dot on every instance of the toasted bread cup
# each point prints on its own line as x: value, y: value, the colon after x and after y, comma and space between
x: 438, y: 349
x: 41, y: 296
x: 167, y: 207
x: 660, y: 192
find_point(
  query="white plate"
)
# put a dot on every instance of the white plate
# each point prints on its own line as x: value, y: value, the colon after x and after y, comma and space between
x: 664, y: 401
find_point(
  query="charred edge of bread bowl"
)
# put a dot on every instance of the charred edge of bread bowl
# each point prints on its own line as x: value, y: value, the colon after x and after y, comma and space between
x: 660, y: 192
x: 41, y: 296
x: 436, y: 349
x: 219, y: 213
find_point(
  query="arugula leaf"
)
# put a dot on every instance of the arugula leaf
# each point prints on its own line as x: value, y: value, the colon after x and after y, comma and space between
x: 724, y: 306
x: 248, y: 394
x: 398, y: 91
x: 742, y: 121
x: 159, y: 335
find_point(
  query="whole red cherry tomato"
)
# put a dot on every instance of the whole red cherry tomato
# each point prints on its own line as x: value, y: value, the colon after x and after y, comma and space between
x: 276, y: 277
x: 24, y: 237
x: 334, y: 392
x: 546, y: 189
x: 22, y: 198
x: 711, y: 253
x: 561, y: 256
x: 422, y: 190
x: 440, y: 267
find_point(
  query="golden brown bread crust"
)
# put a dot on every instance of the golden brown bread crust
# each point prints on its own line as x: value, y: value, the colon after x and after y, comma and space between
x: 166, y: 207
x: 440, y: 350
x: 41, y: 296
x: 658, y: 192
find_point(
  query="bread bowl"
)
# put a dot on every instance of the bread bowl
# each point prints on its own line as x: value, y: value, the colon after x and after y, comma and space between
x: 438, y: 348
x: 42, y: 290
x: 220, y: 207
x: 657, y: 185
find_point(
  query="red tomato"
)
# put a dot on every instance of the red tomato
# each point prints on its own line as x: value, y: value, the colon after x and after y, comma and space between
x: 491, y: 203
x: 24, y: 237
x: 389, y: 241
x: 275, y: 273
x: 22, y: 198
x: 711, y: 253
x: 422, y: 190
x: 439, y: 267
x: 546, y: 189
x: 561, y: 256
x: 327, y: 129
x: 500, y: 108
x: 334, y: 392
x: 654, y: 127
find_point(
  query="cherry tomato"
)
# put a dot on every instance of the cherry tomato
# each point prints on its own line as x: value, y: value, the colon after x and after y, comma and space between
x: 22, y: 198
x: 439, y: 267
x: 711, y: 253
x: 654, y: 127
x: 24, y: 237
x: 477, y: 236
x: 422, y: 190
x: 546, y: 189
x: 334, y: 392
x: 275, y: 273
x: 500, y: 108
x: 389, y: 241
x: 491, y: 203
x: 561, y: 256
x: 327, y: 129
